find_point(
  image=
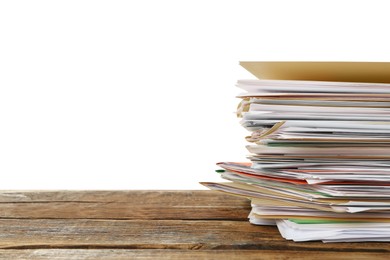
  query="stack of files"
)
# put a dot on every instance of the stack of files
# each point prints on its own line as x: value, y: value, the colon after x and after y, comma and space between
x: 319, y: 151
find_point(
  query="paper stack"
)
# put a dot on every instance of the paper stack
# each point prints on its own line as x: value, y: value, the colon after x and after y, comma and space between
x: 320, y: 150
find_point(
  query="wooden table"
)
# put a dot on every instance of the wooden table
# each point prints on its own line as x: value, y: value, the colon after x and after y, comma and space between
x: 149, y: 225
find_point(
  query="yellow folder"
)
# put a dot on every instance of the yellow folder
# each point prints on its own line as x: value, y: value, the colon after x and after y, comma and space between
x: 373, y: 72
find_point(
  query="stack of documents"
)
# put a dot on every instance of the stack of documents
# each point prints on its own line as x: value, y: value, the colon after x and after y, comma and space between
x: 319, y: 151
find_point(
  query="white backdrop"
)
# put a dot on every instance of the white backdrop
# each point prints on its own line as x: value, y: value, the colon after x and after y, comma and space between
x: 140, y: 94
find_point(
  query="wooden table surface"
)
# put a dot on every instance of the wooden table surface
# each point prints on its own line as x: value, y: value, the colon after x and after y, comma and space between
x: 149, y: 225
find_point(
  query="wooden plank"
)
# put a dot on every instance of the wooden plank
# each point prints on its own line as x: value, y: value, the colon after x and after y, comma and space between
x: 123, y: 205
x: 135, y: 197
x: 110, y: 210
x: 148, y: 225
x: 120, y: 254
x: 158, y: 234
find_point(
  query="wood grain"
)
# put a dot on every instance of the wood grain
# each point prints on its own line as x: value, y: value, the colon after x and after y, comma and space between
x: 122, y: 254
x: 149, y: 225
x: 111, y: 210
x: 123, y: 205
x: 157, y: 234
x: 136, y: 197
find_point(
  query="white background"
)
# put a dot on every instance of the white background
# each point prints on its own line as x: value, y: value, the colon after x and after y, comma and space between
x: 140, y: 94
